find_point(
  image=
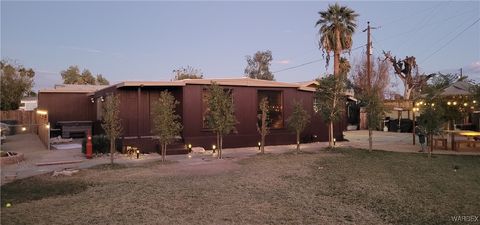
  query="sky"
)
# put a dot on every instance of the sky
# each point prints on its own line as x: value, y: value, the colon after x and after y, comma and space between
x: 148, y: 40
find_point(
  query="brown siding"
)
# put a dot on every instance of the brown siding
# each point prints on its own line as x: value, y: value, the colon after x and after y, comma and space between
x: 245, y: 100
x: 66, y: 106
x: 135, y: 109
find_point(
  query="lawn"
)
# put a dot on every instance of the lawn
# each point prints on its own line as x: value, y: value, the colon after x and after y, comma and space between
x: 344, y: 186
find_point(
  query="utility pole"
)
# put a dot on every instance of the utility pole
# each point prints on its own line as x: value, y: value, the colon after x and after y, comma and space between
x: 369, y: 80
x: 369, y: 48
x: 369, y: 53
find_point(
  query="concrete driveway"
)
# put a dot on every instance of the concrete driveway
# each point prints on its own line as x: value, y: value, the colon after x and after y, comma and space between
x: 392, y: 141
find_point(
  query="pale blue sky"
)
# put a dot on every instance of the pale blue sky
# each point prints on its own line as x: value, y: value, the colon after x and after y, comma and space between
x: 147, y: 40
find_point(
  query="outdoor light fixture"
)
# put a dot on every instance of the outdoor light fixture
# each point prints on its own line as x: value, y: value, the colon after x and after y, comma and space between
x: 465, y: 104
x: 189, y: 147
x: 213, y: 148
x: 334, y: 141
x: 259, y: 144
x: 102, y: 99
x: 138, y: 154
x: 433, y: 104
x: 92, y: 100
x: 474, y: 101
x: 42, y: 112
x: 454, y: 103
x: 47, y: 126
x: 449, y: 103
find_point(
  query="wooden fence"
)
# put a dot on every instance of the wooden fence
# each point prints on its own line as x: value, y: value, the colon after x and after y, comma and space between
x: 29, y: 122
x: 26, y: 121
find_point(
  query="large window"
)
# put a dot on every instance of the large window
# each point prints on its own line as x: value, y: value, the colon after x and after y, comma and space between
x: 275, y: 107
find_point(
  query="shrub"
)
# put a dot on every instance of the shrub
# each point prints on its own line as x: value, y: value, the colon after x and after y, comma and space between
x: 101, y: 144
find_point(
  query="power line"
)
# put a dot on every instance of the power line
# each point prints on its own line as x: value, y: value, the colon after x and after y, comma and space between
x: 456, y: 36
x: 310, y: 62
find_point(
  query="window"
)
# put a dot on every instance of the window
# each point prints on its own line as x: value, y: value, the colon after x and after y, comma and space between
x: 275, y: 107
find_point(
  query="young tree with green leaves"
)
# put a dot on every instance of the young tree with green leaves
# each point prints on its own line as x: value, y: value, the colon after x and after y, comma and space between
x: 337, y: 25
x: 16, y: 82
x: 221, y: 117
x: 432, y: 119
x: 111, y: 122
x: 330, y: 101
x: 258, y: 66
x: 166, y: 123
x: 298, y: 121
x: 187, y: 73
x: 375, y: 113
x: 263, y: 119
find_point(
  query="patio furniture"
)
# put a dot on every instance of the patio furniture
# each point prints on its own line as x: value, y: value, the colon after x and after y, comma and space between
x: 468, y: 143
x: 71, y: 128
x: 470, y: 135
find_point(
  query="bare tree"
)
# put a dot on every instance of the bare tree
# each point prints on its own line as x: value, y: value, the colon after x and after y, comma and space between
x: 187, y: 73
x: 407, y: 71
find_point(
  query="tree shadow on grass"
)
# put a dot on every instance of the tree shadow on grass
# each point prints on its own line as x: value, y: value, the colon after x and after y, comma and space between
x: 39, y: 187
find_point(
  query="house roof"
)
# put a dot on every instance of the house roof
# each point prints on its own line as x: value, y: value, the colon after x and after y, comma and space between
x: 457, y: 88
x: 243, y: 81
x: 73, y: 88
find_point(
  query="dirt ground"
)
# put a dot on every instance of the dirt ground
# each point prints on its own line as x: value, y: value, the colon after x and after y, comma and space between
x: 318, y: 187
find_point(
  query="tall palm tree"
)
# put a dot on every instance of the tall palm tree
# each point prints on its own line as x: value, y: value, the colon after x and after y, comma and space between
x: 337, y: 26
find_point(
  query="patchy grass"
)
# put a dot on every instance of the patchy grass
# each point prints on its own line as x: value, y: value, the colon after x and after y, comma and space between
x: 109, y: 166
x: 40, y: 187
x: 341, y: 186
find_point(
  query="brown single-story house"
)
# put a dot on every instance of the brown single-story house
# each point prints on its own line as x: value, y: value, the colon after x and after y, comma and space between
x: 84, y: 103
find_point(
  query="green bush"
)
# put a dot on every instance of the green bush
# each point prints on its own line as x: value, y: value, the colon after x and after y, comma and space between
x: 101, y: 144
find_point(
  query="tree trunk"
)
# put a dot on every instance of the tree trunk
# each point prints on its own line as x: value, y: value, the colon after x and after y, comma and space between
x: 408, y: 92
x: 262, y: 149
x: 112, y: 149
x: 336, y: 54
x: 298, y: 141
x: 430, y: 140
x: 218, y: 143
x: 221, y: 147
x: 370, y: 142
x: 165, y: 152
x: 330, y: 141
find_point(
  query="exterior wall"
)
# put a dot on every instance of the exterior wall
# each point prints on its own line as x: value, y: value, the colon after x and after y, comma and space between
x: 246, y: 103
x: 136, y: 104
x: 66, y: 106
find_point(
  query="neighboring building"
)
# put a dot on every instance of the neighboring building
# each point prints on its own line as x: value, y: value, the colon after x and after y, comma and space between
x: 28, y: 103
x: 137, y: 97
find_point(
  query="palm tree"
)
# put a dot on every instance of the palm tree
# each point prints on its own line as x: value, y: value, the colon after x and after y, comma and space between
x: 337, y: 26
